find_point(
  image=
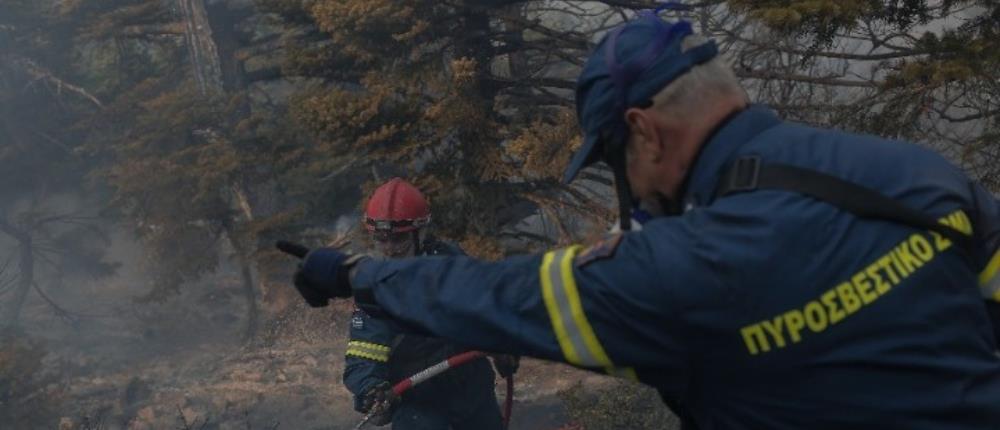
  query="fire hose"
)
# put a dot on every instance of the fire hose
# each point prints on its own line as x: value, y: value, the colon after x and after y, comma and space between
x: 423, y: 375
x: 435, y: 370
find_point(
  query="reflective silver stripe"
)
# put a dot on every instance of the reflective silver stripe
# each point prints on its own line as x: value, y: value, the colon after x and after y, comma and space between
x: 991, y: 290
x: 429, y: 372
x: 566, y: 312
x: 576, y: 337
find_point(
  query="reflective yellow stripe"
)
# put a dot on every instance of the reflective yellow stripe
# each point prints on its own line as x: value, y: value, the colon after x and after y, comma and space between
x: 623, y: 372
x: 576, y: 336
x: 576, y: 310
x: 367, y: 350
x: 989, y: 279
x: 368, y: 345
x: 367, y: 355
x: 554, y: 315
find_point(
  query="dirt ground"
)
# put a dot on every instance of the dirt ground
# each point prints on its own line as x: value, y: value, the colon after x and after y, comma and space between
x: 183, y: 364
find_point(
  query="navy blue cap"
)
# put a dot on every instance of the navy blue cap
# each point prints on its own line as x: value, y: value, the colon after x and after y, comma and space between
x: 630, y: 65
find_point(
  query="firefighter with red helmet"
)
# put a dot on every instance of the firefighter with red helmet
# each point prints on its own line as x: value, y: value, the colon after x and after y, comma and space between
x: 395, y: 216
x: 378, y: 355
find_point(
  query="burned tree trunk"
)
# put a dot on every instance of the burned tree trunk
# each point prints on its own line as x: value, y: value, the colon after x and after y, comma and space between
x: 248, y: 281
x: 255, y: 200
x: 202, y: 51
x: 247, y: 272
x: 211, y: 49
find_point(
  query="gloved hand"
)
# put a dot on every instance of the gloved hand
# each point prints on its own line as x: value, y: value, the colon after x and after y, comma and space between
x: 381, y: 402
x: 506, y: 364
x: 323, y: 275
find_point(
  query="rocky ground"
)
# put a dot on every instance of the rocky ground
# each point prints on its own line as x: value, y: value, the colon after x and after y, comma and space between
x: 184, y: 365
x: 293, y: 385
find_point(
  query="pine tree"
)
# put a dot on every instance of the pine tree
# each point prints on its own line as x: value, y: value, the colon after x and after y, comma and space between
x: 467, y: 99
x: 40, y: 101
x: 191, y: 162
x: 922, y: 70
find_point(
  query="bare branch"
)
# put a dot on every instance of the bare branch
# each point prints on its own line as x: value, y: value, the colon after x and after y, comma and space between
x: 538, y: 82
x: 972, y: 117
x: 821, y: 80
x: 67, y: 316
x: 37, y: 72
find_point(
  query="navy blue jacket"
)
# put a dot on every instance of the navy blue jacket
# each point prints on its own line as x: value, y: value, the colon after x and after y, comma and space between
x: 378, y: 351
x: 761, y: 310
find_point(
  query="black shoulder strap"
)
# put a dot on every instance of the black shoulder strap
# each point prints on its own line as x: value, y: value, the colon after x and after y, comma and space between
x: 749, y: 174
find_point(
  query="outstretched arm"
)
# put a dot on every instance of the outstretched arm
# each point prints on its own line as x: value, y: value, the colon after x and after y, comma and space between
x: 606, y: 307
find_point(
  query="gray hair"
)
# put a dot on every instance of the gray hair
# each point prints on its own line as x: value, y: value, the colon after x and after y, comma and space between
x: 687, y: 95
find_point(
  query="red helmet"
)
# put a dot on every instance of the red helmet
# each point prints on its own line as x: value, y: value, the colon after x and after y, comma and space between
x: 396, y: 207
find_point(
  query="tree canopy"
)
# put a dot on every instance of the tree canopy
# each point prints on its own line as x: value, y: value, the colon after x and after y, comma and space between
x: 213, y: 129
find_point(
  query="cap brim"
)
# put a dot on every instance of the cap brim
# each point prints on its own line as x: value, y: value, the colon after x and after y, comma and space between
x: 583, y: 157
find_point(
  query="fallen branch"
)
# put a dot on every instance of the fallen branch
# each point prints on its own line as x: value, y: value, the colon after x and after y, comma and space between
x: 37, y: 72
x: 67, y: 316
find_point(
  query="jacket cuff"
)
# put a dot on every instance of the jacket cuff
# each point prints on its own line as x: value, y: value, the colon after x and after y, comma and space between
x: 363, y: 279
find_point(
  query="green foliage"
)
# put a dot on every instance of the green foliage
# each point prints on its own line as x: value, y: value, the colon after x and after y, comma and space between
x: 205, y: 151
x: 412, y: 88
x: 966, y: 52
x: 180, y: 163
x: 535, y: 145
x: 932, y: 70
x: 820, y: 18
x: 823, y: 18
x: 34, y: 109
x: 290, y: 10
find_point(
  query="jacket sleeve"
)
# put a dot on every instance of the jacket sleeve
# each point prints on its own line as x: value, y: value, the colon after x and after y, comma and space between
x: 988, y: 225
x: 366, y: 362
x: 607, y: 307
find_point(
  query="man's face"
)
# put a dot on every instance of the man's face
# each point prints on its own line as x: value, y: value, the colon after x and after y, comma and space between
x: 654, y: 157
x: 644, y: 162
x: 394, y: 245
x: 639, y: 173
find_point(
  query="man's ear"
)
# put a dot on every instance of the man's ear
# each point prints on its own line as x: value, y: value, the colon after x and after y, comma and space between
x: 642, y: 126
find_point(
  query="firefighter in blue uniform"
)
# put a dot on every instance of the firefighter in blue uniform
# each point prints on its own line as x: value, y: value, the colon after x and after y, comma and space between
x: 378, y: 354
x: 791, y: 277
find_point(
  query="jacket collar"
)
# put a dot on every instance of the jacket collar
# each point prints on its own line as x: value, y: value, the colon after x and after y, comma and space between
x: 720, y: 149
